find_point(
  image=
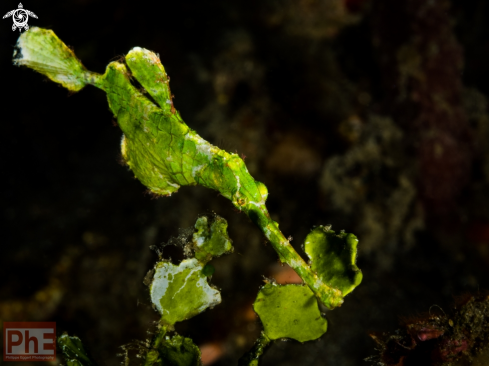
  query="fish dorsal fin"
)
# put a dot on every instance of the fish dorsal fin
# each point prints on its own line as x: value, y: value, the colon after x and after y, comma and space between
x: 146, y: 67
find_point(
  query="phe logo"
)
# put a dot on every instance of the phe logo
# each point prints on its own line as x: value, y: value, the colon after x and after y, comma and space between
x: 29, y: 341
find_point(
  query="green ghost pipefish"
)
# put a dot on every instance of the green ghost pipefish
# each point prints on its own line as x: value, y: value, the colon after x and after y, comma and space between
x: 161, y: 150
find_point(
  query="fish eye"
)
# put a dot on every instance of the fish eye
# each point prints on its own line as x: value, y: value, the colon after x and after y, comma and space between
x: 241, y: 201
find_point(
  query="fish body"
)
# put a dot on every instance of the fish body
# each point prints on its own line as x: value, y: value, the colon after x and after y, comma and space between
x: 161, y: 150
x: 157, y: 145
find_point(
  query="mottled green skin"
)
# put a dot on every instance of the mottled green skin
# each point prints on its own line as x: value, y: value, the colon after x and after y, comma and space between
x: 161, y: 150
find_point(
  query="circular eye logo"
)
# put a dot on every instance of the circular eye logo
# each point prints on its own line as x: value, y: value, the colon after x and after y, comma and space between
x: 20, y: 17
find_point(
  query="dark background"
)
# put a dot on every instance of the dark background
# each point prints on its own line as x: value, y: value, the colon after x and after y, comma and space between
x: 370, y: 115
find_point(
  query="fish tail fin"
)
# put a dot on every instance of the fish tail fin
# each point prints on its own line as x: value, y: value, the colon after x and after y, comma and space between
x: 41, y: 50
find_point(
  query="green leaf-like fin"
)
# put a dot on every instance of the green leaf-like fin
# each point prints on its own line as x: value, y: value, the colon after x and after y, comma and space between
x: 42, y: 51
x: 72, y: 348
x: 333, y: 256
x: 289, y: 311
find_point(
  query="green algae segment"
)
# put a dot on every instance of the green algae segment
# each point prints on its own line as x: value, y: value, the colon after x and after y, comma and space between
x: 180, y: 292
x: 289, y: 311
x: 161, y: 150
x: 252, y: 358
x: 73, y: 351
x: 333, y: 256
x: 211, y: 239
x: 172, y: 351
